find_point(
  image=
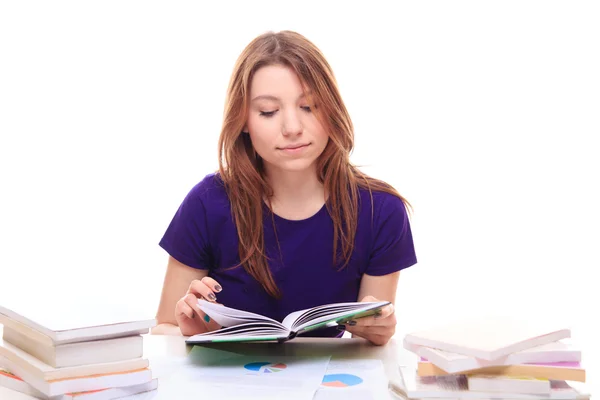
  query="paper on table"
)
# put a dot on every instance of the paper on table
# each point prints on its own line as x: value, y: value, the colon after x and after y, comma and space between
x: 354, y: 380
x: 262, y: 375
x: 204, y: 390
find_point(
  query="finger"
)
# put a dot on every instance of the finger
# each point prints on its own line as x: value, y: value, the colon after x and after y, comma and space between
x: 183, y: 310
x: 371, y: 321
x: 386, y: 311
x: 370, y: 331
x: 211, y: 283
x: 201, y: 290
x: 362, y: 322
x: 381, y: 318
x: 369, y: 299
x: 192, y: 301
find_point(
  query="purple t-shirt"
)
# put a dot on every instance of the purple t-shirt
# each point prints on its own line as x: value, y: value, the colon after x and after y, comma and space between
x: 203, y: 235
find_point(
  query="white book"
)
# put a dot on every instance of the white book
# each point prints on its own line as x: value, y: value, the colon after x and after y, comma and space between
x: 58, y: 387
x: 13, y: 382
x: 76, y: 354
x: 510, y: 384
x: 559, y: 351
x: 54, y: 324
x: 41, y: 370
x: 489, y: 338
x: 456, y: 386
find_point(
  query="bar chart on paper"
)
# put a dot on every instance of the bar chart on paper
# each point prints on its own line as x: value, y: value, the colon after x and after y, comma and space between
x: 265, y: 367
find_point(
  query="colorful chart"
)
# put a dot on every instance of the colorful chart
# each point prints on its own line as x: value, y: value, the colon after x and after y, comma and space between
x: 341, y: 380
x: 265, y: 367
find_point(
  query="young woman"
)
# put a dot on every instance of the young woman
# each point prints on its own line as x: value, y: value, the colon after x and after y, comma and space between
x: 288, y: 222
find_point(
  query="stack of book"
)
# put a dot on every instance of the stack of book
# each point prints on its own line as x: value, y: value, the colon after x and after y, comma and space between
x: 500, y: 357
x: 73, y: 356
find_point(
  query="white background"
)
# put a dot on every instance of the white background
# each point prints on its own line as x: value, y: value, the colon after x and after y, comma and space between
x: 483, y: 114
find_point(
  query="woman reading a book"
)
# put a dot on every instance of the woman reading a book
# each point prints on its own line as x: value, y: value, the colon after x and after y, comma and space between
x: 287, y: 223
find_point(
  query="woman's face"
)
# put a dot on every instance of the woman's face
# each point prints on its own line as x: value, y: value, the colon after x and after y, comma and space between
x: 284, y: 131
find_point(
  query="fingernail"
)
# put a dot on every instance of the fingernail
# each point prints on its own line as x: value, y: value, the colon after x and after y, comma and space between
x: 206, y: 318
x: 212, y: 297
x: 351, y: 322
x: 218, y: 288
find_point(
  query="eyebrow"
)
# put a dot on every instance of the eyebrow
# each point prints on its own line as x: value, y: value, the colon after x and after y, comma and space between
x: 275, y: 98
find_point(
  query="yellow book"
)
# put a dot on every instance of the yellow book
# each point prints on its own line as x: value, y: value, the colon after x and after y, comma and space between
x: 567, y: 371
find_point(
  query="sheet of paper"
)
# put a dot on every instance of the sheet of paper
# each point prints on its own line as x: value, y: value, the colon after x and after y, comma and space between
x: 354, y: 380
x: 267, y: 376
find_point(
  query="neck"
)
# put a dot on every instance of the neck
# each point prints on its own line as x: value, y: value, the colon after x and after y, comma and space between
x: 295, y: 189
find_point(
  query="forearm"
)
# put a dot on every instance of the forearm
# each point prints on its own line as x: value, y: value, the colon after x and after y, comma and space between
x: 166, y: 329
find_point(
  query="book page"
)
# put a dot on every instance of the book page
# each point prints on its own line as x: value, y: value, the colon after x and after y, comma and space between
x: 297, y: 316
x: 226, y: 316
x: 326, y: 317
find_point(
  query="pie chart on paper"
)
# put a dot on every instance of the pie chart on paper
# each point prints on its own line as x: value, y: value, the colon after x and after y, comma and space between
x: 341, y: 380
x: 265, y: 367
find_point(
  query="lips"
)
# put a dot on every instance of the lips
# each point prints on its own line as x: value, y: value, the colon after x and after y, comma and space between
x: 294, y: 146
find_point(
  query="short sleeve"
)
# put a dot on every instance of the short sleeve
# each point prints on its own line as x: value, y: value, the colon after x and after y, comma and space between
x: 393, y: 247
x: 186, y: 238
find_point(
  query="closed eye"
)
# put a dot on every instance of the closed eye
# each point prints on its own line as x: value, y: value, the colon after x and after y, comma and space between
x: 267, y: 113
x: 306, y: 108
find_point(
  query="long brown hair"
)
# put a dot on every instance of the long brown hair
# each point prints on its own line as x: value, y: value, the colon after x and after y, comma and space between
x: 241, y: 169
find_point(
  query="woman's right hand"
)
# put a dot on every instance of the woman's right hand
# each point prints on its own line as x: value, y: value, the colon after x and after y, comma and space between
x: 190, y: 318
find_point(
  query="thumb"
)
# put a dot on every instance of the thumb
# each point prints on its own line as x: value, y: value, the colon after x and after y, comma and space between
x: 369, y: 298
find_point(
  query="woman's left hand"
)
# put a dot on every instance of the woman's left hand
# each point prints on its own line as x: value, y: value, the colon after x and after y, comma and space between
x: 378, y: 329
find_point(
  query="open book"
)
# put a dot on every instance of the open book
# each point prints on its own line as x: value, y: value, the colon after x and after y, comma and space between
x: 243, y: 326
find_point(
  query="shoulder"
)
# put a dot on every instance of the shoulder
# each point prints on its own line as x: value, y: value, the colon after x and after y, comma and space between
x: 209, y: 186
x: 210, y: 191
x: 392, y: 247
x: 207, y: 199
x: 381, y: 205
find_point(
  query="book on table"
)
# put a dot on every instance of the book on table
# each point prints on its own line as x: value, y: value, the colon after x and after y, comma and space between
x: 15, y: 356
x: 489, y: 338
x: 559, y: 351
x: 568, y: 371
x: 56, y: 324
x: 13, y: 382
x: 508, y: 384
x: 65, y: 336
x: 57, y: 387
x: 242, y: 326
x: 414, y: 386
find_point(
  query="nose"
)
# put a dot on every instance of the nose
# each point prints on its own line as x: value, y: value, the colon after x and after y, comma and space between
x: 291, y: 123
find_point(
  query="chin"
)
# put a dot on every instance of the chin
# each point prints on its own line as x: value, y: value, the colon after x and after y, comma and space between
x: 295, y: 165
